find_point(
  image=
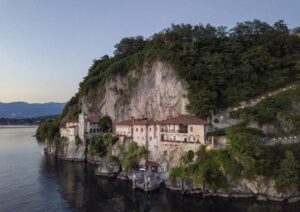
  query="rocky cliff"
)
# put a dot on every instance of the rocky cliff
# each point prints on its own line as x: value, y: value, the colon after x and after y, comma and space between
x: 259, y: 188
x: 155, y: 92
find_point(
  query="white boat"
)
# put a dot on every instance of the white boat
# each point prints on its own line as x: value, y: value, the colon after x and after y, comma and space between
x: 147, y: 181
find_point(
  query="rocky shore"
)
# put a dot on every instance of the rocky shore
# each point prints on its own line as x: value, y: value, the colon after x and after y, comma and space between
x: 242, y: 190
x: 259, y: 189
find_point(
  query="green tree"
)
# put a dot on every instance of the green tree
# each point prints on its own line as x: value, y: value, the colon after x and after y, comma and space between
x: 287, y: 177
x: 105, y: 123
x: 129, y: 46
x: 132, y: 156
x: 247, y: 149
x: 100, y: 145
x: 188, y: 157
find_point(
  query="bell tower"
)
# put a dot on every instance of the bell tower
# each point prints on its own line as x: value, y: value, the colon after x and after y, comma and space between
x: 82, y: 125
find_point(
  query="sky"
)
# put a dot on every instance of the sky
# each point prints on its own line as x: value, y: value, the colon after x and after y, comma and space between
x: 47, y: 46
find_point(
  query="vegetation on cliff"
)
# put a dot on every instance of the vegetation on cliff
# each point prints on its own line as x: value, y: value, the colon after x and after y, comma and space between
x: 105, y: 123
x: 282, y: 111
x: 221, y: 67
x: 48, y: 129
x: 245, y: 157
x: 132, y: 155
x: 99, y: 145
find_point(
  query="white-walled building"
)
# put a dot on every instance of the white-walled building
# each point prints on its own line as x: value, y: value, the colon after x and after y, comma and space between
x: 185, y: 131
x: 124, y: 128
x: 83, y: 127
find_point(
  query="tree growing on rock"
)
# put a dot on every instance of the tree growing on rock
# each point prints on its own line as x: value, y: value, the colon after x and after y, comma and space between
x: 287, y: 177
x: 105, y: 123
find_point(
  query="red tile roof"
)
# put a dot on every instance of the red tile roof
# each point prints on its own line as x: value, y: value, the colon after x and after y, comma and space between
x: 181, y: 119
x: 131, y: 122
x: 184, y: 119
x: 125, y: 122
x: 143, y: 122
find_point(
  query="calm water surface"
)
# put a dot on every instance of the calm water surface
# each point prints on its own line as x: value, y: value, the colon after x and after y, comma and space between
x: 29, y: 181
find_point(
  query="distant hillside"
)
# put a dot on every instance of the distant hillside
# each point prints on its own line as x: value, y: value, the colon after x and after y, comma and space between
x: 21, y: 110
x: 25, y: 121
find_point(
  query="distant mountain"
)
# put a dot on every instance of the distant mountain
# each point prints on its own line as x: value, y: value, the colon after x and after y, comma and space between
x: 21, y: 110
x: 25, y: 121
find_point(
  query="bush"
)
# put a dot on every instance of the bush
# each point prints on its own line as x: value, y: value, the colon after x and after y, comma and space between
x: 105, y: 123
x: 99, y: 144
x: 132, y: 156
x: 78, y: 140
x: 49, y: 129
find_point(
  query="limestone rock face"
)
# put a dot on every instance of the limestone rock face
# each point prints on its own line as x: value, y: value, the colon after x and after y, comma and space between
x: 108, y: 169
x: 66, y: 150
x: 155, y: 92
x: 70, y: 151
x: 50, y: 148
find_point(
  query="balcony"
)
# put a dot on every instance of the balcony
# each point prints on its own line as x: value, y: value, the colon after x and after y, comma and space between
x: 182, y: 131
x: 184, y: 142
x: 173, y: 131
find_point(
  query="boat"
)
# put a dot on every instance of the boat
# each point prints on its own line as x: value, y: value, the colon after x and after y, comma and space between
x: 146, y: 180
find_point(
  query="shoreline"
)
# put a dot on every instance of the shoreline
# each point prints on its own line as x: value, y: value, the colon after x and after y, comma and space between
x: 197, y: 193
x: 17, y: 126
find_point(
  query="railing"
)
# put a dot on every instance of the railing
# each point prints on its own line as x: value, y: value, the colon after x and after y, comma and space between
x: 173, y: 131
x: 176, y: 141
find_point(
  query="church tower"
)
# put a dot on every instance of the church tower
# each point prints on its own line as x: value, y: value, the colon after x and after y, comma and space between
x: 82, y: 125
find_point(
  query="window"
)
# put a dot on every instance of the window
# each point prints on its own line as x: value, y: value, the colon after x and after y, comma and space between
x: 150, y: 129
x: 137, y: 130
x: 185, y: 139
x: 191, y: 129
x: 142, y: 129
x: 150, y: 138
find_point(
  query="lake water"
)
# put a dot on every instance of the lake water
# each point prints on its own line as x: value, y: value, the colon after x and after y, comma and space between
x: 30, y: 181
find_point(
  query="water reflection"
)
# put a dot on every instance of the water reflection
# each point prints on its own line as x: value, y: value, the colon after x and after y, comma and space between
x: 85, y: 192
x: 30, y: 181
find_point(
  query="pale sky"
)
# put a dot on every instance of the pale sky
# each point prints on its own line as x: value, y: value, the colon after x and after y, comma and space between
x: 47, y: 46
